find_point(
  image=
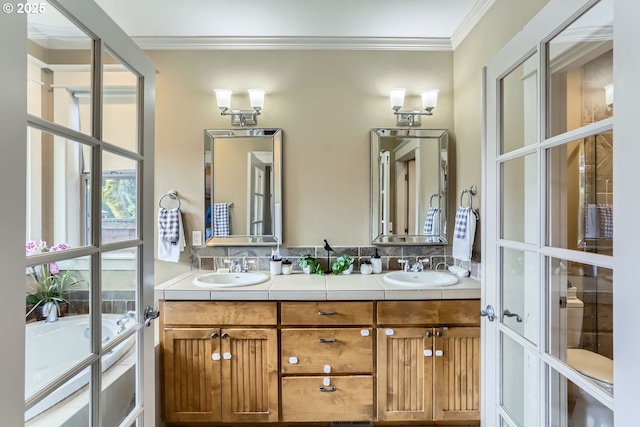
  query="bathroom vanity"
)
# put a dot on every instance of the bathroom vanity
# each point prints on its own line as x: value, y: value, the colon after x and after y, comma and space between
x: 303, y: 348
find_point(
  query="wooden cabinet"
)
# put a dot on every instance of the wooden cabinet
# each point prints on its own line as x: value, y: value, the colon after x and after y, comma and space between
x: 219, y: 372
x: 426, y: 371
x: 327, y: 360
x: 387, y: 361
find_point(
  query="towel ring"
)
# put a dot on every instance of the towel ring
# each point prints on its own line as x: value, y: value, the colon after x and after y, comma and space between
x: 173, y: 195
x: 471, y: 192
x: 431, y: 199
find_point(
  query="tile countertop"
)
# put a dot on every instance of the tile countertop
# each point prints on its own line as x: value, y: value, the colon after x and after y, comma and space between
x: 311, y: 287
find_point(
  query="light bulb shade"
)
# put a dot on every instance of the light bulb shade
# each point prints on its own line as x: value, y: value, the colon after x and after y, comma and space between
x: 256, y: 97
x: 223, y: 96
x: 396, y: 98
x: 429, y: 99
x: 608, y: 94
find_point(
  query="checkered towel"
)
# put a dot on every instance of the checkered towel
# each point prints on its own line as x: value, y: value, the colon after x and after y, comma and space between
x: 605, y: 217
x: 428, y: 222
x: 221, y: 223
x: 169, y: 225
x: 462, y: 215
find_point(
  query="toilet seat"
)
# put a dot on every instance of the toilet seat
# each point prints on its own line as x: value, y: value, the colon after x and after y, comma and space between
x: 593, y: 365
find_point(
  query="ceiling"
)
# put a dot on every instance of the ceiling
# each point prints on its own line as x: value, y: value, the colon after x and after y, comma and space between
x: 297, y: 24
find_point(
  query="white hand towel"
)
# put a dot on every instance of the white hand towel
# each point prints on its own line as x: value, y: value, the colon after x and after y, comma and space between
x: 168, y: 251
x: 464, y: 234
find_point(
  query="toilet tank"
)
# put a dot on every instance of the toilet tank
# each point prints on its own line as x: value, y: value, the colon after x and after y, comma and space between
x: 575, y: 312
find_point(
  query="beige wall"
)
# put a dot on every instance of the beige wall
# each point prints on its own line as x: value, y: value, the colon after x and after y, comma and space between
x: 498, y: 26
x: 325, y: 101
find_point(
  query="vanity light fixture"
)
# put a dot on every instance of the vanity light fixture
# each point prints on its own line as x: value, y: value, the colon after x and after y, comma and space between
x: 241, y: 117
x: 412, y: 118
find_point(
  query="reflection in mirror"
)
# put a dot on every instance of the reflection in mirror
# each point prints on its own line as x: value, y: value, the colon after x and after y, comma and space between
x: 409, y: 186
x: 243, y: 186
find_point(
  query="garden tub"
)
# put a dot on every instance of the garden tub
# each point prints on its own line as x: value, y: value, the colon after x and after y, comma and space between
x: 53, y: 348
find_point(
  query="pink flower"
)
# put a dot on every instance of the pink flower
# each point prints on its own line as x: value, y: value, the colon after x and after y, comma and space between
x: 59, y: 247
x: 34, y: 246
x: 53, y: 268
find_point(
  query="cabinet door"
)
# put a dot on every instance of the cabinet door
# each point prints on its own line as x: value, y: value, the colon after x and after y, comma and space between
x: 457, y: 374
x: 191, y: 377
x: 249, y: 375
x: 405, y: 369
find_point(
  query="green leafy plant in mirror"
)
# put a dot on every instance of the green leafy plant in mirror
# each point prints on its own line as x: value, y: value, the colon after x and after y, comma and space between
x: 341, y: 264
x: 311, y: 262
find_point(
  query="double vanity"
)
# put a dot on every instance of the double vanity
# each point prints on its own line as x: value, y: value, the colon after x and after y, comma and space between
x: 317, y: 349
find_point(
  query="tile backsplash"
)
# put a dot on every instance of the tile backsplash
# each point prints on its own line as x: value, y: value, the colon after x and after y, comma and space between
x: 212, y: 258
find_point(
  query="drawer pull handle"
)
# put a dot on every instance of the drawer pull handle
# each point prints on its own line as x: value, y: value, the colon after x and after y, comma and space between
x: 327, y: 313
x: 322, y: 340
x: 326, y: 390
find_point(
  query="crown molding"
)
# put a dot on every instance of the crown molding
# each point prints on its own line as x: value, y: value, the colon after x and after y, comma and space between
x: 293, y: 43
x: 470, y: 21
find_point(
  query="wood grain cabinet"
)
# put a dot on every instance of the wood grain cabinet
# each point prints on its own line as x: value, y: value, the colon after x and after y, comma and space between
x: 427, y: 371
x: 219, y: 362
x: 327, y: 361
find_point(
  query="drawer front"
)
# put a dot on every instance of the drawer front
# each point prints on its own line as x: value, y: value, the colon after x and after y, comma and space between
x: 326, y: 313
x: 327, y: 398
x: 440, y: 312
x: 326, y: 350
x: 194, y: 313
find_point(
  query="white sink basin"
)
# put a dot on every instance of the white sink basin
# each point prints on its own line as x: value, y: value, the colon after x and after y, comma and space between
x: 423, y: 279
x: 229, y: 280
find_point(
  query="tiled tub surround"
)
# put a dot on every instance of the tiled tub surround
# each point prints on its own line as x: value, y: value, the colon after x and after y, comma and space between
x: 212, y: 258
x: 117, y: 302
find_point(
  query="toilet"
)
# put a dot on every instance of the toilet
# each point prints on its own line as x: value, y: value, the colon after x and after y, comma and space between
x: 599, y: 369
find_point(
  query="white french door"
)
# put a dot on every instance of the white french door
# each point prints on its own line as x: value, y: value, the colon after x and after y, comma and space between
x: 78, y: 117
x: 547, y: 160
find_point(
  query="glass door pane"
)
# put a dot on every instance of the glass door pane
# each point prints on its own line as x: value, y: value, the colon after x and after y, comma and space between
x: 59, y: 79
x: 120, y: 114
x: 519, y: 106
x: 519, y: 382
x: 520, y: 292
x: 519, y: 191
x: 580, y: 69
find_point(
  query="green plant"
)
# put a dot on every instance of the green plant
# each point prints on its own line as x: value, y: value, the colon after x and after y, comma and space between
x: 50, y: 288
x: 311, y: 262
x: 50, y: 285
x: 341, y: 264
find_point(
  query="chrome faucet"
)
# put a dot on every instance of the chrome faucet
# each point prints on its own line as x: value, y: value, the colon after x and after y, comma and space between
x: 234, y: 266
x: 419, y: 265
x: 246, y: 268
x: 124, y: 319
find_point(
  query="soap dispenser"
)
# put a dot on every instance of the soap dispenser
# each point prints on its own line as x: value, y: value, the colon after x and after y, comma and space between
x: 376, y: 262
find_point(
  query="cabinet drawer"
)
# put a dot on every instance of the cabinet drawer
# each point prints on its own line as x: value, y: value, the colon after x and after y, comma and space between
x: 347, y: 398
x: 309, y: 351
x: 326, y: 313
x: 194, y: 313
x: 441, y: 312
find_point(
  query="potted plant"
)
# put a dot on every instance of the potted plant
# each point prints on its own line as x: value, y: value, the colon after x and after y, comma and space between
x: 49, y: 300
x: 310, y: 264
x: 342, y: 265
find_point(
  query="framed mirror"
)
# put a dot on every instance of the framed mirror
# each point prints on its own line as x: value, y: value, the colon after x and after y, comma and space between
x: 409, y: 186
x: 243, y: 186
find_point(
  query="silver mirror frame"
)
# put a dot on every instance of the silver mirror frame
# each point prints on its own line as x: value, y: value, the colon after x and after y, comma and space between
x: 440, y: 137
x: 275, y: 134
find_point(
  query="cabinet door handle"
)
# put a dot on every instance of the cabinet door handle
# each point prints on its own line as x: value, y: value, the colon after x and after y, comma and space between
x: 225, y: 336
x: 326, y: 390
x: 323, y: 341
x: 214, y: 336
x: 327, y: 313
x: 429, y: 334
x: 438, y: 334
